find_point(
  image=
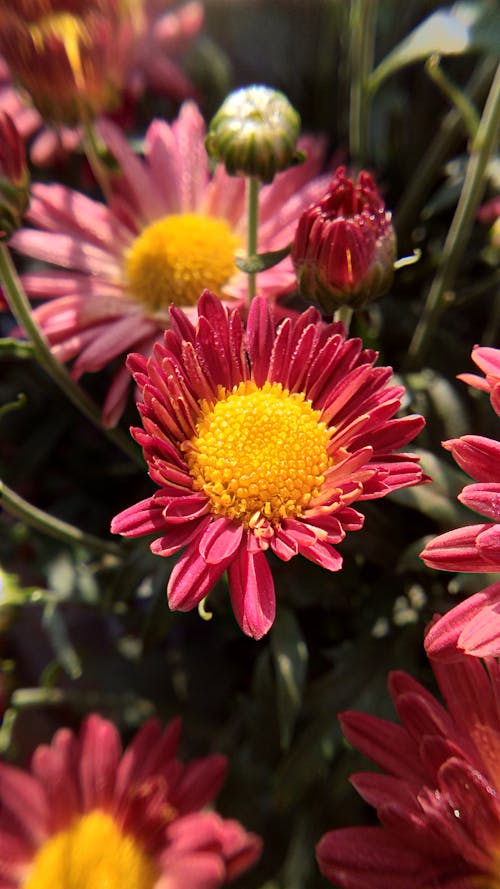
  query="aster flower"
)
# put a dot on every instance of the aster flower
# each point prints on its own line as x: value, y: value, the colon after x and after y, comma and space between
x: 473, y: 626
x: 172, y: 230
x: 438, y: 795
x: 488, y: 360
x: 260, y: 441
x: 86, y: 815
x: 150, y: 37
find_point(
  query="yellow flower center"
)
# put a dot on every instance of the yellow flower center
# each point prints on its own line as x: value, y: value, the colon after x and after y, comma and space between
x: 69, y: 29
x: 91, y: 854
x: 175, y: 258
x: 259, y: 453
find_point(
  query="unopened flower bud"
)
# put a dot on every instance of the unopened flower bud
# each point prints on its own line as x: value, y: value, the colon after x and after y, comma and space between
x: 14, y: 177
x: 254, y: 133
x: 345, y: 246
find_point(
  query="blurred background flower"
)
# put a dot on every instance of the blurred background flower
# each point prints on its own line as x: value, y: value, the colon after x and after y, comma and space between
x: 169, y: 230
x: 65, y: 63
x: 88, y: 815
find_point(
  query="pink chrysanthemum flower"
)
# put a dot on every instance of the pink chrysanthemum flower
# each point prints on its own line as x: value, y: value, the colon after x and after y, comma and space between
x: 474, y: 625
x: 88, y: 816
x: 160, y: 34
x: 438, y: 796
x: 488, y: 360
x: 260, y: 441
x: 172, y: 230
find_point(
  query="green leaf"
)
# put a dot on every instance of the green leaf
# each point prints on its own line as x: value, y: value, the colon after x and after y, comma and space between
x: 260, y: 262
x: 58, y: 635
x: 11, y: 593
x: 461, y: 28
x: 289, y: 652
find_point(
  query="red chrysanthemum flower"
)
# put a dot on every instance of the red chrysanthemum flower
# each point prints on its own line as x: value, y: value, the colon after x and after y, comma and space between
x: 260, y: 441
x: 474, y: 625
x: 488, y: 360
x: 438, y: 797
x: 88, y: 816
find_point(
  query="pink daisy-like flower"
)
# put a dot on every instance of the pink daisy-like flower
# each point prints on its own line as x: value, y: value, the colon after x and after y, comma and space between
x: 260, y: 441
x: 474, y: 625
x: 438, y: 794
x: 160, y: 34
x: 475, y: 547
x: 172, y: 230
x: 88, y: 816
x: 488, y: 360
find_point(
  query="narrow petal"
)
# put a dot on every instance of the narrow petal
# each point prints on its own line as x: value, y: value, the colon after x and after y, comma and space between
x: 252, y: 593
x: 192, y: 579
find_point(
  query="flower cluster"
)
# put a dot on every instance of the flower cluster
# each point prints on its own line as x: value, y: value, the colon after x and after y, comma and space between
x: 261, y: 441
x: 474, y: 625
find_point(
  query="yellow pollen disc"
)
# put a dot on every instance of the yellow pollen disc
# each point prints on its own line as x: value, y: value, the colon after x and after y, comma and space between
x: 259, y: 453
x: 175, y: 258
x: 91, y: 854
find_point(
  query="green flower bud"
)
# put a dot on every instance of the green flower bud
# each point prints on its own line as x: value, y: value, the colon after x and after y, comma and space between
x: 254, y: 133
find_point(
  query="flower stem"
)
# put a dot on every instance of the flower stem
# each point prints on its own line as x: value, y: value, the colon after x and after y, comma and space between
x: 21, y: 309
x: 252, y: 229
x: 93, y: 153
x: 431, y: 164
x: 453, y: 250
x: 362, y: 21
x: 36, y: 518
x: 344, y: 314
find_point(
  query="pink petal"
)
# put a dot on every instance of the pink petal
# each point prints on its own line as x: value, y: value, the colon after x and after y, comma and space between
x: 143, y: 517
x: 178, y: 536
x: 192, y: 579
x: 477, y: 456
x: 220, y: 540
x: 369, y: 858
x: 101, y: 751
x: 473, y: 626
x: 252, y: 592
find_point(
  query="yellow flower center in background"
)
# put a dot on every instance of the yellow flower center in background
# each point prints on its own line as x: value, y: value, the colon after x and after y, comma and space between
x: 91, y: 854
x: 175, y: 258
x: 259, y: 452
x: 69, y: 29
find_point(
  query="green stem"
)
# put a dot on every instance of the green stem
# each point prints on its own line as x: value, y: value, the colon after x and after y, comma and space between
x: 21, y: 309
x: 19, y: 508
x: 253, y: 225
x: 93, y: 153
x: 28, y: 698
x: 430, y: 166
x: 362, y: 21
x: 458, y: 234
x: 344, y: 314
x: 455, y: 95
